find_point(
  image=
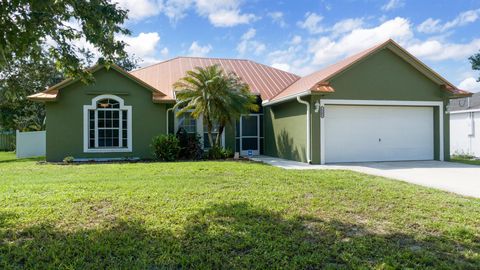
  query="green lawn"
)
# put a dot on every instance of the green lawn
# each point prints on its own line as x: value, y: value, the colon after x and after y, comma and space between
x: 466, y: 160
x: 226, y: 215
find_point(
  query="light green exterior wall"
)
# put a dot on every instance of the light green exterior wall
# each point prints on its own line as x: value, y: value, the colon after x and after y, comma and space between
x: 65, y: 116
x: 382, y: 76
x: 285, y: 130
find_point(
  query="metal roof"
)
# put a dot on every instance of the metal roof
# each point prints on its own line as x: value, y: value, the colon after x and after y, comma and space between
x: 263, y: 80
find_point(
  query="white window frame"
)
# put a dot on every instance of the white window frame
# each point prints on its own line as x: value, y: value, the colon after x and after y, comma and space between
x: 86, y: 131
x: 438, y: 104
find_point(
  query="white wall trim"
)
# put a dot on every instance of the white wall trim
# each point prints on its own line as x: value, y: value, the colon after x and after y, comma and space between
x: 86, y: 131
x: 438, y: 104
x: 287, y: 98
x: 464, y: 111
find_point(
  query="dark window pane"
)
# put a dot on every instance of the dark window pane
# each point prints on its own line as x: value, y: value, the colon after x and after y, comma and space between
x: 101, y: 114
x: 249, y: 126
x: 125, y: 143
x: 108, y: 133
x: 108, y: 142
x: 115, y: 133
x: 249, y: 144
x: 124, y: 133
x: 101, y: 142
x: 206, y: 141
x: 108, y: 114
x: 261, y: 125
x: 91, y: 114
x: 237, y: 145
x: 115, y: 142
x: 92, y: 143
x: 116, y: 123
x: 101, y: 133
x: 115, y: 114
x: 92, y: 134
x: 124, y: 115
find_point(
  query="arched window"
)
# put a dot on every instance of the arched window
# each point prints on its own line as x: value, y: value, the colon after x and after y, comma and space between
x: 107, y: 125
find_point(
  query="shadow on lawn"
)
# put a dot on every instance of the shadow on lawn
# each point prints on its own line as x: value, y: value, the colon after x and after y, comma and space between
x: 230, y: 236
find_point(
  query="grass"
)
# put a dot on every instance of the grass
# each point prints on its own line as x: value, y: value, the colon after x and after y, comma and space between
x: 466, y: 160
x: 226, y: 215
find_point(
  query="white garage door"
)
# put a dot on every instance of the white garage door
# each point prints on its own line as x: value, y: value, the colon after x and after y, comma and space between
x: 378, y: 133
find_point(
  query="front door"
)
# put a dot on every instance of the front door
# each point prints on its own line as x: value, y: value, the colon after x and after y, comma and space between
x: 249, y: 134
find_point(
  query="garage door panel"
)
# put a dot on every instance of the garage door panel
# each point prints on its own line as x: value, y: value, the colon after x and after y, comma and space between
x: 378, y: 133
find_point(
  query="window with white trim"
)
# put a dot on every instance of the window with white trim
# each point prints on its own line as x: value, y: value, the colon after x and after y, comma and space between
x: 108, y: 125
x: 188, y: 123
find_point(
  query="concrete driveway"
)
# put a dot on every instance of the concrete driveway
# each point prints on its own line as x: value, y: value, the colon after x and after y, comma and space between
x: 459, y: 178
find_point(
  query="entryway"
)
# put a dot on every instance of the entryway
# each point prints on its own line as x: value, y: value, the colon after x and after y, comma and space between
x: 249, y: 135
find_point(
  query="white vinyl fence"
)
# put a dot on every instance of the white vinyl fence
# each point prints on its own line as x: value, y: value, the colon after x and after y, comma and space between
x: 31, y: 144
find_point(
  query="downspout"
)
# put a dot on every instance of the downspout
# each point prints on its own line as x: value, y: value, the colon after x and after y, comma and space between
x: 168, y: 110
x: 309, y: 160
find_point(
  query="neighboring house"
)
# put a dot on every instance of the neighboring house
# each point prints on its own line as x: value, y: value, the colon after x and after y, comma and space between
x: 465, y: 126
x: 382, y: 104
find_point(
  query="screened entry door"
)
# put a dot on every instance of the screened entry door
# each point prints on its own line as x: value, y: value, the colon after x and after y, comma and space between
x: 249, y: 134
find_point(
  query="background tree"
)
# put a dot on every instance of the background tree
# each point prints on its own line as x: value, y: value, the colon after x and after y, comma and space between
x: 25, y: 77
x: 475, y: 61
x: 29, y: 27
x: 220, y: 97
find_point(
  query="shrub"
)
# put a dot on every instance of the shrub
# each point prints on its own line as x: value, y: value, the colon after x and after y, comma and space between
x: 190, y: 145
x: 219, y: 153
x: 166, y: 147
x: 68, y: 160
x: 228, y: 153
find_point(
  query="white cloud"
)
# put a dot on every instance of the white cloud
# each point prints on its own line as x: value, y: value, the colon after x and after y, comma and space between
x: 393, y: 4
x: 327, y: 49
x: 312, y: 23
x: 164, y: 52
x: 281, y: 66
x: 296, y: 40
x: 248, y: 44
x: 347, y: 25
x: 431, y: 25
x: 143, y: 46
x: 220, y: 13
x: 176, y: 9
x: 470, y: 84
x: 438, y: 51
x: 198, y: 50
x: 140, y: 9
x: 223, y: 13
x: 278, y: 18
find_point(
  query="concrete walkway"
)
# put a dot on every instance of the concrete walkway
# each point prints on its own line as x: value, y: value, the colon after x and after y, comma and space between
x: 459, y: 178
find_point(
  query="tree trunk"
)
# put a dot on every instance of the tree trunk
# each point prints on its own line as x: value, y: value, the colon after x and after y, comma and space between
x: 209, y: 131
x: 219, y: 135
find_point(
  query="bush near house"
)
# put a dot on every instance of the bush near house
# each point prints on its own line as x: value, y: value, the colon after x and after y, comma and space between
x: 166, y: 147
x: 190, y: 145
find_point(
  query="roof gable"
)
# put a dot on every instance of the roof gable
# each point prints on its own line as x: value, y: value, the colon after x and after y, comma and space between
x: 319, y: 81
x: 51, y: 93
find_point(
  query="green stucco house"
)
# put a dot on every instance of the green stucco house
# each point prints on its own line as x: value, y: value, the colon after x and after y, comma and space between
x: 381, y: 104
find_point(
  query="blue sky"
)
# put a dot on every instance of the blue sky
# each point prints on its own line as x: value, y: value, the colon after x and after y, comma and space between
x: 302, y: 36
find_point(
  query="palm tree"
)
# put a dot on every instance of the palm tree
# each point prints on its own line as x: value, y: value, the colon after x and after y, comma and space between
x: 218, y: 96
